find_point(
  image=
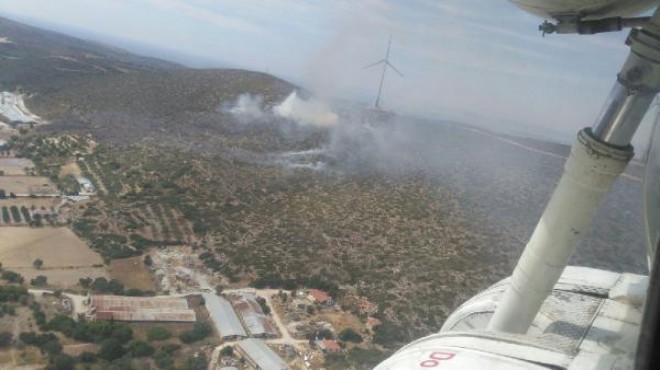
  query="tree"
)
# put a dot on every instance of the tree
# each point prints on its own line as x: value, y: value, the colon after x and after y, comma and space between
x: 12, y: 277
x: 62, y: 323
x: 196, y: 363
x: 227, y: 351
x: 219, y: 288
x: 148, y: 261
x: 389, y: 335
x: 39, y: 281
x: 85, y: 282
x: 264, y: 305
x: 111, y: 349
x: 62, y: 362
x: 38, y: 263
x: 5, y: 339
x: 350, y: 335
x: 52, y: 347
x: 87, y: 357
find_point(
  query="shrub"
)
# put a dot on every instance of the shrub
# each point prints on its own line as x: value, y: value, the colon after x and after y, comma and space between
x: 39, y: 281
x: 62, y: 362
x: 87, y: 357
x: 38, y: 263
x: 5, y: 215
x: 227, y: 351
x: 16, y: 214
x: 350, y: 335
x: 111, y: 349
x: 138, y: 348
x: 157, y: 333
x: 12, y: 277
x: 5, y: 339
x: 199, y: 332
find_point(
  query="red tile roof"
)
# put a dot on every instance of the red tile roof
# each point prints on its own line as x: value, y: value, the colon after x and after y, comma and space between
x: 331, y: 345
x: 319, y: 295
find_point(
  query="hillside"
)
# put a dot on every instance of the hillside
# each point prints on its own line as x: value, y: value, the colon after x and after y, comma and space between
x: 28, y: 54
x: 413, y: 216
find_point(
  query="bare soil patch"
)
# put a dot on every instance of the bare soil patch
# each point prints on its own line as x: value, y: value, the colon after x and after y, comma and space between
x: 132, y: 273
x: 72, y: 169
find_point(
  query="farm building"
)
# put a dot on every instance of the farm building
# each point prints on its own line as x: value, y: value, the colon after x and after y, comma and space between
x: 319, y: 296
x: 252, y: 316
x: 328, y: 345
x: 228, y: 323
x: 86, y: 186
x: 260, y: 356
x: 120, y: 308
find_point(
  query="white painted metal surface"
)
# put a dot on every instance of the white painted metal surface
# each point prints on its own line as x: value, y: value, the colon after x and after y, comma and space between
x: 590, y: 321
x: 589, y: 172
x: 591, y: 8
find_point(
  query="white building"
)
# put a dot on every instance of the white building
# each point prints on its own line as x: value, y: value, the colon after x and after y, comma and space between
x: 86, y: 186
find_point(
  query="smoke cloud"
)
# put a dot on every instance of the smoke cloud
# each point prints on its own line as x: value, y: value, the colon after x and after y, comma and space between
x: 310, y: 112
x: 248, y: 108
x: 304, y: 112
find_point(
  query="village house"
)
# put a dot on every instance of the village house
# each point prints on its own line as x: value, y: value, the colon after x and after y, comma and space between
x: 320, y: 297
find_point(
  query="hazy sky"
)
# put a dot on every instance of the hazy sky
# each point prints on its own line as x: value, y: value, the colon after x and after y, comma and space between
x: 477, y: 61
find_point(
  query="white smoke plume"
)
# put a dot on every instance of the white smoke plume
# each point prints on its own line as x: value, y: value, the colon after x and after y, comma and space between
x: 304, y: 112
x: 248, y: 108
x: 310, y: 112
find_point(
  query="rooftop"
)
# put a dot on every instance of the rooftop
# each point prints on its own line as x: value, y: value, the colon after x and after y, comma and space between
x: 262, y: 355
x: 109, y: 307
x: 228, y: 323
x: 254, y: 319
x: 328, y: 345
x: 319, y: 295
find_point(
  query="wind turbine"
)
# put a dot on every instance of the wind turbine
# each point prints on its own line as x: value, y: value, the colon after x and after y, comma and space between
x: 386, y: 63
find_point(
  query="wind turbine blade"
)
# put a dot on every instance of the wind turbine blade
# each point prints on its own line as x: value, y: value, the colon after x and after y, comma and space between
x: 375, y: 63
x: 395, y: 70
x: 389, y: 43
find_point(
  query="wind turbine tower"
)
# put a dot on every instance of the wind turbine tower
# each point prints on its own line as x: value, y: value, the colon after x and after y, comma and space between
x: 386, y: 63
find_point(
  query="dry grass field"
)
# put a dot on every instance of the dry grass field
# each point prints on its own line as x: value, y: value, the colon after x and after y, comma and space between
x: 62, y: 278
x: 30, y: 202
x: 25, y: 185
x: 66, y: 257
x: 132, y: 273
x: 70, y: 168
x: 14, y: 166
x: 57, y: 247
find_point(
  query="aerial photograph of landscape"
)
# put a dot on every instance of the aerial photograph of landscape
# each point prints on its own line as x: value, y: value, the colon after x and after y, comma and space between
x: 293, y: 184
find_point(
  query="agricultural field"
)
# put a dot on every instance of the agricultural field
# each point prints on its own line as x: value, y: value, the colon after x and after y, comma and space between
x: 132, y: 273
x: 15, y: 166
x: 70, y: 169
x: 28, y: 185
x: 15, y: 216
x: 65, y: 257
